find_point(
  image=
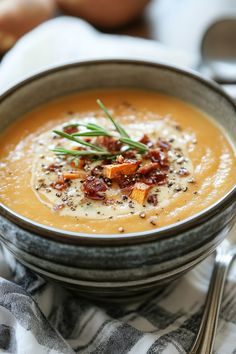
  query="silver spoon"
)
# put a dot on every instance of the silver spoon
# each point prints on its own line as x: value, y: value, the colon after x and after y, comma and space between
x: 225, y: 254
x: 218, y: 54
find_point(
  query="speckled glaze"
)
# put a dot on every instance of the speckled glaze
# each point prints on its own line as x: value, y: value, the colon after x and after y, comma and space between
x: 118, y: 267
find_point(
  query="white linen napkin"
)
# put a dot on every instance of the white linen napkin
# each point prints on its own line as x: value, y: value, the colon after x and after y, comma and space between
x: 39, y: 317
x: 67, y: 39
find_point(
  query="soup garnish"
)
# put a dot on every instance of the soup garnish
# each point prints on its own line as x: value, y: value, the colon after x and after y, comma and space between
x: 131, y: 170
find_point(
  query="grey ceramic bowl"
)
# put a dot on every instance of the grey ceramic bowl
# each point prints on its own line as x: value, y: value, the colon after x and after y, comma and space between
x: 118, y: 266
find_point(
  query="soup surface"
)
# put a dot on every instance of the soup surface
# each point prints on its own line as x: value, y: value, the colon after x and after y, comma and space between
x: 147, y: 161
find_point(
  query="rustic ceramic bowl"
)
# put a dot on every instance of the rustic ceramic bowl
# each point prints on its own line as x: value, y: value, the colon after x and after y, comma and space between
x: 118, y: 266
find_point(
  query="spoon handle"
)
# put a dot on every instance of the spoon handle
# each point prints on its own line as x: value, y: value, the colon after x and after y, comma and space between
x: 206, y: 335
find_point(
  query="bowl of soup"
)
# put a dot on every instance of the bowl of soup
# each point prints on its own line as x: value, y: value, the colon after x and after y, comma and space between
x: 117, y: 176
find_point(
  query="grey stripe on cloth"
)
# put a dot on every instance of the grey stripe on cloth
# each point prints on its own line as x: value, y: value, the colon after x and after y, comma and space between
x: 40, y: 318
x: 181, y: 338
x: 121, y: 341
x: 28, y: 316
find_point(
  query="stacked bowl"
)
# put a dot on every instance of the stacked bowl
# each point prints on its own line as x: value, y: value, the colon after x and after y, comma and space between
x: 123, y: 266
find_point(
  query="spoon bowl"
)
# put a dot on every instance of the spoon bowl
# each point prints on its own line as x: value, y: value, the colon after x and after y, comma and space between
x: 218, y: 51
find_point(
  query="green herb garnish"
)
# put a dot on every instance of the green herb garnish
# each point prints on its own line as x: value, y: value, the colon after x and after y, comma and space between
x: 118, y: 127
x: 62, y: 151
x: 94, y: 130
x: 79, y: 141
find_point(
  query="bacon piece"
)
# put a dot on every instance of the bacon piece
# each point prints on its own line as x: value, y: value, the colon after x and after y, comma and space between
x: 159, y: 157
x: 130, y: 154
x: 146, y: 140
x: 110, y: 143
x: 155, y: 178
x: 140, y: 192
x: 144, y: 170
x: 151, y: 175
x: 59, y: 185
x: 126, y: 168
x: 70, y: 129
x: 126, y: 183
x: 94, y: 188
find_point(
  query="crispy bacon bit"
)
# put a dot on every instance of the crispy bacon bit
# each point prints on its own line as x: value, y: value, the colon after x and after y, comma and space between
x: 155, y: 178
x: 126, y: 182
x: 144, y: 170
x: 59, y: 185
x: 126, y: 168
x: 146, y: 140
x: 151, y: 175
x: 70, y: 129
x: 159, y: 157
x: 58, y: 207
x: 110, y: 143
x: 152, y: 199
x: 183, y: 172
x: 94, y: 188
x: 53, y: 167
x: 140, y: 192
x: 164, y: 145
x: 131, y: 154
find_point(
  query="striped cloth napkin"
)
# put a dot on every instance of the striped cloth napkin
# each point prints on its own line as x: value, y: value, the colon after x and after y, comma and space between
x: 37, y: 317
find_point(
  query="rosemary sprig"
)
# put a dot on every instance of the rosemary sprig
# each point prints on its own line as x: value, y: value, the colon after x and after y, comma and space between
x: 134, y: 144
x: 89, y: 126
x: 94, y: 130
x: 118, y: 127
x: 92, y: 133
x: 79, y: 141
x: 62, y: 151
x: 92, y: 126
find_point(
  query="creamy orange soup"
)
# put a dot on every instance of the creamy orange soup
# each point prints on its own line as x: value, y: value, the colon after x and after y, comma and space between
x: 175, y: 163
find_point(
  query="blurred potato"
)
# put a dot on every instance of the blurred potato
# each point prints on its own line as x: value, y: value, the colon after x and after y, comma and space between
x: 104, y: 13
x: 19, y: 16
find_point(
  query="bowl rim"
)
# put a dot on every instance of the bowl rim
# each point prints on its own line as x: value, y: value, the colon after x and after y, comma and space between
x: 134, y: 237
